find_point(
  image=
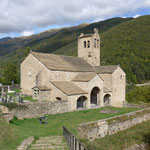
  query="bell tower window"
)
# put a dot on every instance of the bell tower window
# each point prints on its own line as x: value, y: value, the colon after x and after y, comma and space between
x: 84, y: 44
x: 95, y: 43
x: 88, y: 44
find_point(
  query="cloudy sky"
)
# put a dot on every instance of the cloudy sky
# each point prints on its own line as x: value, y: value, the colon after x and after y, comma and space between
x: 27, y: 17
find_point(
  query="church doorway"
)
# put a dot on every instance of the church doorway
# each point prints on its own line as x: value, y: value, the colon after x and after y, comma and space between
x: 81, y: 102
x: 106, y: 99
x: 95, y: 94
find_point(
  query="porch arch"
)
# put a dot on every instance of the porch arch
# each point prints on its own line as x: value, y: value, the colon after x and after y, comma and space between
x: 107, y: 99
x: 95, y: 95
x: 81, y: 102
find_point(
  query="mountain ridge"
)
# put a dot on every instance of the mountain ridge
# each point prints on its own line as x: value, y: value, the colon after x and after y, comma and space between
x: 120, y: 44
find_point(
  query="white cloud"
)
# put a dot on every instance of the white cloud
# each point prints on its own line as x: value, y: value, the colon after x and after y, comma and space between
x: 26, y: 15
x: 136, y: 16
x: 27, y: 33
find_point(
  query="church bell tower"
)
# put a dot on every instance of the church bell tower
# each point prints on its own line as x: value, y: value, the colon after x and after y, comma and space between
x: 89, y: 47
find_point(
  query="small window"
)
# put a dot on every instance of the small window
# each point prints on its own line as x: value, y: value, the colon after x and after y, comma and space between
x: 97, y: 43
x: 88, y: 44
x: 89, y: 54
x: 84, y: 44
x: 29, y: 72
x: 67, y: 75
x: 57, y: 75
x: 58, y: 98
x: 94, y: 42
x: 121, y: 77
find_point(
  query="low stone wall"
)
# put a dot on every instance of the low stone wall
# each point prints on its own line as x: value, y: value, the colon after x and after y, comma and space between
x: 100, y: 128
x: 130, y: 105
x: 38, y: 109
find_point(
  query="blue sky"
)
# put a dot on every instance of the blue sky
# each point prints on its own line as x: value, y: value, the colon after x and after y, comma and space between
x: 27, y: 17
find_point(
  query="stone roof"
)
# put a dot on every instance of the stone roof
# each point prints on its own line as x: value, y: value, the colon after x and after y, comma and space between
x: 42, y: 88
x: 85, y: 35
x: 106, y: 89
x: 68, y: 87
x: 105, y: 69
x: 84, y: 77
x: 63, y: 63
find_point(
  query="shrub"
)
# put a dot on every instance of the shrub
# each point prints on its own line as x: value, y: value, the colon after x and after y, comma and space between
x: 139, y: 95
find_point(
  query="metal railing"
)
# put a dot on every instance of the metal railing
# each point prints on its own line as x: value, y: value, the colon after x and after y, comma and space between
x: 73, y: 142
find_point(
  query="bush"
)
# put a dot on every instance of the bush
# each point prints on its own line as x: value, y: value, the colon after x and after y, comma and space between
x: 139, y: 95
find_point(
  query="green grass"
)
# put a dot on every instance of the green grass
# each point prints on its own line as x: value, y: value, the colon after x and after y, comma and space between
x: 6, y: 133
x: 32, y: 127
x: 29, y: 98
x: 123, y: 139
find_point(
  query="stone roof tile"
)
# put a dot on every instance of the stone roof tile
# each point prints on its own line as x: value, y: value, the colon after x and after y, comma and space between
x: 105, y: 69
x: 68, y: 87
x: 63, y: 63
x: 84, y: 77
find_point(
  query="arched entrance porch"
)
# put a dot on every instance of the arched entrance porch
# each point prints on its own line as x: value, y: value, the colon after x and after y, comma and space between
x: 81, y: 102
x: 107, y: 99
x: 95, y: 95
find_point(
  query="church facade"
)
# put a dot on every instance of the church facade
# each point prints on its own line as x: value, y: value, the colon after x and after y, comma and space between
x: 81, y: 80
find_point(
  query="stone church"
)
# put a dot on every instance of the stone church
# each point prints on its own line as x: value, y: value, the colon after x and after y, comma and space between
x: 81, y: 80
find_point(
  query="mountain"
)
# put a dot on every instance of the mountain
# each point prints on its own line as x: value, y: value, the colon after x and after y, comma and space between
x: 5, y: 39
x: 51, y: 40
x: 124, y: 41
x: 127, y: 44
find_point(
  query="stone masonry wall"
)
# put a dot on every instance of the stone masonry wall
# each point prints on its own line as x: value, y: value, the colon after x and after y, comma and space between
x: 100, y: 128
x: 38, y: 109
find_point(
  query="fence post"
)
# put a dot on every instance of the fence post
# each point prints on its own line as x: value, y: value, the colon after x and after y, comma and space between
x: 72, y: 141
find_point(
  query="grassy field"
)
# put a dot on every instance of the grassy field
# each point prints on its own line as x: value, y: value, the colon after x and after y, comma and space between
x: 31, y: 127
x: 123, y: 139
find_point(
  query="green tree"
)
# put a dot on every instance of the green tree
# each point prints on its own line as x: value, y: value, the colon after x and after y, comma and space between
x: 10, y: 73
x: 27, y: 51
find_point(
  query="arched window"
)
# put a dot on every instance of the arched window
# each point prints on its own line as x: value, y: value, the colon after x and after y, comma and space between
x: 84, y: 44
x: 88, y: 44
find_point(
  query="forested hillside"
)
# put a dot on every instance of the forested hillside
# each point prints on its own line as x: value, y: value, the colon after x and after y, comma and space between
x: 127, y: 44
x: 124, y: 41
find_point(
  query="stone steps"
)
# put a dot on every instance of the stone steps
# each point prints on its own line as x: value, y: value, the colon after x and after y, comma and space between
x: 49, y: 143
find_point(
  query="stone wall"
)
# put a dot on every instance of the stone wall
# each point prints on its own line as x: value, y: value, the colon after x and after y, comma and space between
x: 38, y: 109
x: 100, y: 128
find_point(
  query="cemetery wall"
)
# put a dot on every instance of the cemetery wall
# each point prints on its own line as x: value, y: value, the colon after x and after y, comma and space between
x: 100, y: 128
x: 38, y: 109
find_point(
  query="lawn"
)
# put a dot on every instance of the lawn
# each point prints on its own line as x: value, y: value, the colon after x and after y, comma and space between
x: 123, y: 139
x: 31, y: 127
